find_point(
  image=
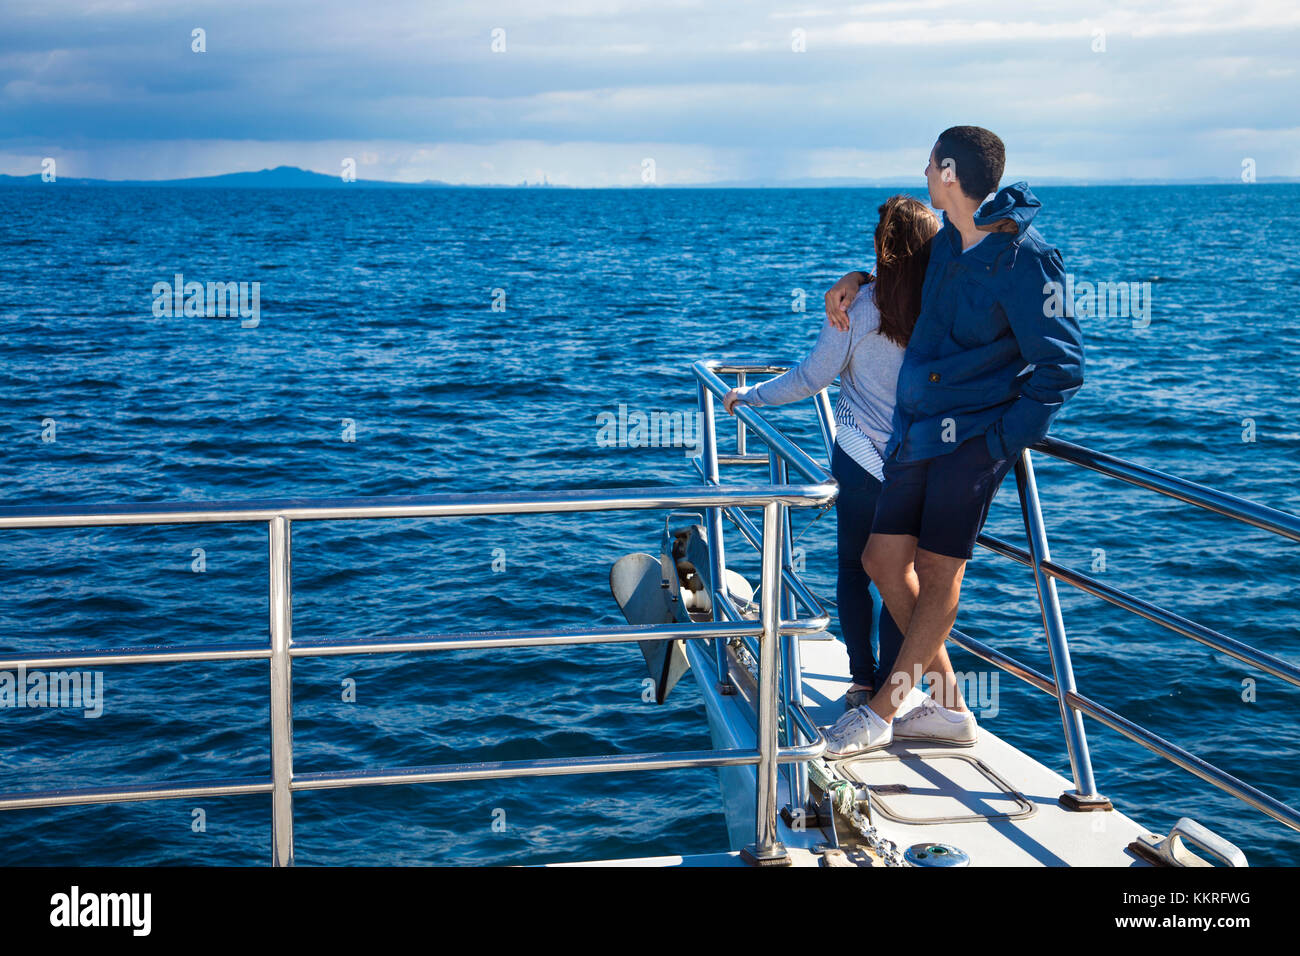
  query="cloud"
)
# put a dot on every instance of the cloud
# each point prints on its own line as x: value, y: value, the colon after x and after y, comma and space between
x: 581, y: 86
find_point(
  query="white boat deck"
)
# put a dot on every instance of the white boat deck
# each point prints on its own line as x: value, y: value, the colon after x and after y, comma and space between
x: 1015, y: 820
x: 993, y: 802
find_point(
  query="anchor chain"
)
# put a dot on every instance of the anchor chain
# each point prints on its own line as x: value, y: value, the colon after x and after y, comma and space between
x: 844, y: 799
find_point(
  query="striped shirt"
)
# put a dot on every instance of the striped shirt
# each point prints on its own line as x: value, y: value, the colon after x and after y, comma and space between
x: 856, y: 443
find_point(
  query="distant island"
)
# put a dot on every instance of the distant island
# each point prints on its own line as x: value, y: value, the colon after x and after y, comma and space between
x: 292, y: 177
x: 281, y: 177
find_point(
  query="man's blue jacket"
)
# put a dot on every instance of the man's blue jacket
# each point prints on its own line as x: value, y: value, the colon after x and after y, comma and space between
x: 996, y: 350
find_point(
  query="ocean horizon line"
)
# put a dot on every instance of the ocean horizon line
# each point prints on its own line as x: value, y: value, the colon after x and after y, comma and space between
x: 295, y: 177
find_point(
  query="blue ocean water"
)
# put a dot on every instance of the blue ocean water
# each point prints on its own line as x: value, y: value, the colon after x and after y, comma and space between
x: 377, y: 308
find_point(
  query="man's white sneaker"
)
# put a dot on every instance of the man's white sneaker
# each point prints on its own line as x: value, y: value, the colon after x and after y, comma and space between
x: 857, y: 732
x: 931, y: 721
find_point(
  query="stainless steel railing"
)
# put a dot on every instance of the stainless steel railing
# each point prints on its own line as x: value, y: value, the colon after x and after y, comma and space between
x: 782, y: 455
x: 279, y: 516
x: 1047, y: 572
x: 1037, y: 557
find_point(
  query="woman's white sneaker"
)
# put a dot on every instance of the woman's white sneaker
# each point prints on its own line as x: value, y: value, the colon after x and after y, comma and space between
x: 931, y: 721
x: 860, y: 730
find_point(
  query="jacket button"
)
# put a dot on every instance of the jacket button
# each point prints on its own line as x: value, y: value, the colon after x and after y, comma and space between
x: 934, y: 376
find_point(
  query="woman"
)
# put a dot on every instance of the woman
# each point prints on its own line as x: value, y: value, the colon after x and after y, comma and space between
x: 866, y: 358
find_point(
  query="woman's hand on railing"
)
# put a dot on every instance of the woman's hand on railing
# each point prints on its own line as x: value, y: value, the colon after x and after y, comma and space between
x: 840, y: 297
x: 732, y: 397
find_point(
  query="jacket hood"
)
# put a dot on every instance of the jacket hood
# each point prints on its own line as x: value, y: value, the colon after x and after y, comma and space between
x: 1011, y: 210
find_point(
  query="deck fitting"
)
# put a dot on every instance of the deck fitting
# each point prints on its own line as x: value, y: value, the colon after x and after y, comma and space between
x: 1072, y: 801
x: 750, y: 855
x: 813, y: 816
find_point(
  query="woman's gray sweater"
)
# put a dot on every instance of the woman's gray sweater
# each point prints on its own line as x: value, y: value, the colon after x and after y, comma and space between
x: 867, y: 364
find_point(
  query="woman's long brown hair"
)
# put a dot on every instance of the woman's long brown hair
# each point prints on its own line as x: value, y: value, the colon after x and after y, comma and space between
x: 903, y: 236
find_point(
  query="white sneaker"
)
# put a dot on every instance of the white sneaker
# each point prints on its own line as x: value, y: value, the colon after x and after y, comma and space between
x: 857, y: 732
x: 932, y: 721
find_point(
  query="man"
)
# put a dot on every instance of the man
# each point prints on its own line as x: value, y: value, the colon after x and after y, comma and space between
x: 990, y: 363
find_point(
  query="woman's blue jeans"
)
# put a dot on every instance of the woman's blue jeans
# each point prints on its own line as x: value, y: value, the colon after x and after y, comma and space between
x: 854, y: 509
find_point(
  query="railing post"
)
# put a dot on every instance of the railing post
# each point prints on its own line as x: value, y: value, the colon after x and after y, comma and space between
x: 281, y: 613
x: 717, y: 558
x: 1084, y: 796
x: 740, y: 426
x: 791, y: 667
x: 767, y: 850
x: 826, y: 422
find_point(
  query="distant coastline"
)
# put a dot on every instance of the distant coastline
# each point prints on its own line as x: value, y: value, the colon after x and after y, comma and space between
x: 293, y: 177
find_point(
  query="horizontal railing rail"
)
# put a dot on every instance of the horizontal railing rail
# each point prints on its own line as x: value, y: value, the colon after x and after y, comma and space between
x: 282, y: 650
x: 438, y: 642
x: 1171, y: 486
x: 820, y: 493
x: 1243, y: 652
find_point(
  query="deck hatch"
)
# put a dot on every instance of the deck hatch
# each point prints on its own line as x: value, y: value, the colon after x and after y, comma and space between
x: 936, y: 786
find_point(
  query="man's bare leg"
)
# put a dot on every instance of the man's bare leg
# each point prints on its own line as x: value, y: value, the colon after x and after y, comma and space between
x: 921, y: 590
x: 942, y: 679
x: 893, y: 551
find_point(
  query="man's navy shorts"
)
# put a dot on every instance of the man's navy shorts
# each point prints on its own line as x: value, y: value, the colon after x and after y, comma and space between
x: 941, y: 501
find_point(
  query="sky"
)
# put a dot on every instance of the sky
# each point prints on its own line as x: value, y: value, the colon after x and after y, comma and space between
x: 613, y: 92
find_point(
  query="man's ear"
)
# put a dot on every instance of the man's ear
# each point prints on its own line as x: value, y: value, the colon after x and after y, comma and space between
x: 948, y: 173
